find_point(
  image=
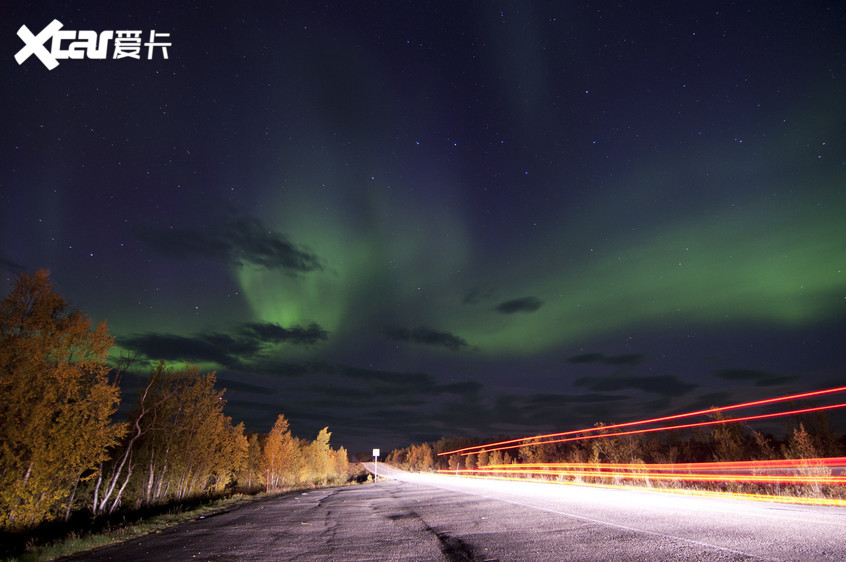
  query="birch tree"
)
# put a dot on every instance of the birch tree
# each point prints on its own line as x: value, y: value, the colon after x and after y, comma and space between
x: 56, y: 402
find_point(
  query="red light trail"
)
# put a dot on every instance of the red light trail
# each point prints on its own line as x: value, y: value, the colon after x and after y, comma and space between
x: 656, y: 429
x: 521, y: 442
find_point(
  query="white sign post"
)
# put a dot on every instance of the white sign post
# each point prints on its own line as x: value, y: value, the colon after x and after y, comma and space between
x: 375, y: 464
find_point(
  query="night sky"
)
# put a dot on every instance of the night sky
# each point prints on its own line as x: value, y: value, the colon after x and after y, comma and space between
x: 406, y: 220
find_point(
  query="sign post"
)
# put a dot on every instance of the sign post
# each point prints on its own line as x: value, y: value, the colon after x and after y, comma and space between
x: 375, y: 464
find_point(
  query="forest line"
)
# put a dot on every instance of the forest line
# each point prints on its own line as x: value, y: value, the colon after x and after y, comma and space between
x: 62, y: 450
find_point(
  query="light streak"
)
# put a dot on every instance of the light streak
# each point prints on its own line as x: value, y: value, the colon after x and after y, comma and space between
x: 656, y: 429
x: 642, y: 474
x: 781, y: 464
x: 522, y: 441
x: 761, y: 497
x: 811, y: 473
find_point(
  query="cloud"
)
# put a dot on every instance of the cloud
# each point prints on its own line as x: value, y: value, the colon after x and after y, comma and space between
x: 525, y: 304
x: 10, y: 266
x: 626, y: 359
x: 477, y: 295
x: 247, y: 343
x: 297, y: 335
x: 236, y: 239
x: 224, y: 380
x: 759, y: 378
x: 426, y: 336
x: 665, y: 385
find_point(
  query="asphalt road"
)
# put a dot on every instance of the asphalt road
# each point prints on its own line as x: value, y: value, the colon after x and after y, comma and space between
x: 432, y: 517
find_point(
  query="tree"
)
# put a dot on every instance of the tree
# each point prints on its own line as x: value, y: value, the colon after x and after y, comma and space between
x: 317, y: 468
x: 56, y: 402
x: 727, y: 439
x: 483, y: 459
x: 495, y: 457
x: 277, y: 461
x: 187, y: 447
x: 250, y: 477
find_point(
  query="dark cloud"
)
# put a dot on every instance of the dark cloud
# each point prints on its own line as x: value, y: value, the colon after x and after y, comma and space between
x: 525, y: 304
x: 246, y: 343
x: 627, y: 359
x: 587, y: 358
x: 9, y: 265
x: 556, y: 411
x: 171, y: 347
x: 426, y: 336
x: 477, y: 295
x: 464, y: 388
x: 275, y: 333
x: 224, y: 381
x: 665, y: 385
x: 758, y: 377
x: 565, y: 399
x: 236, y: 239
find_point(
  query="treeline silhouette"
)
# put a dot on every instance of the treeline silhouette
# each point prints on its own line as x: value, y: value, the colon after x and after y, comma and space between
x: 62, y: 450
x: 807, y: 436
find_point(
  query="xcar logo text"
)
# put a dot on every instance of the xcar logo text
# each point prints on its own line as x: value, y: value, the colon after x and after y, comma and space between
x: 69, y: 44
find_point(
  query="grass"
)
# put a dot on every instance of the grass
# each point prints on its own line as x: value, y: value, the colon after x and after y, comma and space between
x: 55, y: 540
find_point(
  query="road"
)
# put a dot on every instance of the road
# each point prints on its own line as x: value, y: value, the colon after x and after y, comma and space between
x: 433, y: 517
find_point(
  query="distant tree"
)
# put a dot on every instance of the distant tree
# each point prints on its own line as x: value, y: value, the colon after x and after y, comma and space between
x: 420, y: 457
x: 727, y: 439
x: 56, y: 402
x: 801, y: 445
x: 495, y: 457
x: 483, y: 458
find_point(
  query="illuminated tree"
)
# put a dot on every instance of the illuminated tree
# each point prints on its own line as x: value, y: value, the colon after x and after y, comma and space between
x: 251, y: 476
x: 278, y: 456
x: 188, y: 447
x: 317, y: 466
x: 801, y: 445
x: 483, y: 459
x: 56, y: 402
x: 495, y: 458
x: 727, y: 439
x: 420, y: 458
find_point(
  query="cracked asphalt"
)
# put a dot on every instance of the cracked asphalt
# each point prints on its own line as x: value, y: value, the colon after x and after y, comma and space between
x: 432, y: 517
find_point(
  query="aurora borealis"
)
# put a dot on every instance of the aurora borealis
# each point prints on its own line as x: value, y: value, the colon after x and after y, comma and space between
x: 412, y: 220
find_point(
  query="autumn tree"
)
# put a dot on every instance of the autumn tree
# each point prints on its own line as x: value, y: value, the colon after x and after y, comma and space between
x: 483, y: 459
x: 317, y: 468
x: 56, y: 403
x: 187, y: 446
x: 727, y: 438
x: 495, y: 457
x: 251, y: 476
x: 278, y: 456
x: 420, y: 458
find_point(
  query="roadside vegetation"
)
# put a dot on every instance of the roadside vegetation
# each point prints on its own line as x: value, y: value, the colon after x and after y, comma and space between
x: 807, y: 437
x: 69, y: 469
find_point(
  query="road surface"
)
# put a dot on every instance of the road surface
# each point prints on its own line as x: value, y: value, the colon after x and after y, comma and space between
x: 432, y: 517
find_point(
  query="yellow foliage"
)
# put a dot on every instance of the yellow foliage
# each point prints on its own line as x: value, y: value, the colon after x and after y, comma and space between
x: 56, y: 401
